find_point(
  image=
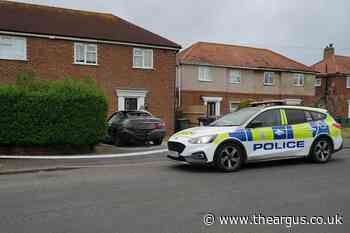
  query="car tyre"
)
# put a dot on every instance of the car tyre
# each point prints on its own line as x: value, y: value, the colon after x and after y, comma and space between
x: 229, y: 157
x: 158, y: 141
x: 321, y: 151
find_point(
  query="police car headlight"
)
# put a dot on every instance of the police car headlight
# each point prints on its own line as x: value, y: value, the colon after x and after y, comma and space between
x: 203, y: 139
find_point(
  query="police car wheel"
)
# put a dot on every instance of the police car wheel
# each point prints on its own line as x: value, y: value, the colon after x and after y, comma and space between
x: 321, y: 151
x: 229, y: 157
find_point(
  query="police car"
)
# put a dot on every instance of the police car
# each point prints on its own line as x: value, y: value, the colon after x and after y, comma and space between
x: 259, y: 133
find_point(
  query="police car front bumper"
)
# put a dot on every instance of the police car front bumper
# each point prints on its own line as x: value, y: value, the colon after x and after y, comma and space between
x: 195, y: 158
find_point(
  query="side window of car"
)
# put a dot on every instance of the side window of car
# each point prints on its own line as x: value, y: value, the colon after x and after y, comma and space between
x: 266, y: 119
x: 295, y: 116
x: 317, y: 116
x: 308, y: 116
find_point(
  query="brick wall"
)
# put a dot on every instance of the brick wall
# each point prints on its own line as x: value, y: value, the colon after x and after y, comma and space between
x: 53, y: 59
x: 338, y: 95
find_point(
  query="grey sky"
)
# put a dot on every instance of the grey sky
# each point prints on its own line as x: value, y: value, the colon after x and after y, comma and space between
x: 299, y: 29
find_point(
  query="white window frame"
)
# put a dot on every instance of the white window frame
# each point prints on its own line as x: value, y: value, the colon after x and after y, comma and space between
x: 272, y: 78
x: 86, y: 45
x: 14, y: 41
x: 348, y: 81
x: 318, y: 82
x: 204, y: 74
x: 143, y: 57
x: 234, y: 76
x: 299, y: 80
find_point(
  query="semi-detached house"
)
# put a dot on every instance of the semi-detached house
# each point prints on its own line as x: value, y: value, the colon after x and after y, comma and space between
x: 219, y: 76
x: 135, y: 67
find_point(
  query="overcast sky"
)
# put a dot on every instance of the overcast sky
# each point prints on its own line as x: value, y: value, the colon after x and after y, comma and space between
x: 299, y: 29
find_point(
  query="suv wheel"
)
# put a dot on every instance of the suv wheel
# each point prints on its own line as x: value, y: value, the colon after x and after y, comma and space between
x: 321, y: 151
x: 229, y: 157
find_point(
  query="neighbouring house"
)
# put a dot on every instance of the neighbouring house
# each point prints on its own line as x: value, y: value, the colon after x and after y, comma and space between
x: 333, y: 82
x: 135, y: 67
x: 219, y: 76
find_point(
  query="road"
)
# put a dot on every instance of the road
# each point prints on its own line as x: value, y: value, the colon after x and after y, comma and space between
x: 163, y: 196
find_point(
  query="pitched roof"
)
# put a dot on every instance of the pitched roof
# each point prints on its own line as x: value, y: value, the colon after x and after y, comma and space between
x: 238, y: 56
x: 46, y: 20
x: 333, y: 64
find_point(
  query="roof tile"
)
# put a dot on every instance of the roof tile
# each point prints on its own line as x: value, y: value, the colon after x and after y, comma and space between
x: 240, y: 56
x: 38, y: 19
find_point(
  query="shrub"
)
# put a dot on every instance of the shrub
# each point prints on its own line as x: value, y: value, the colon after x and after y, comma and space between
x: 57, y: 112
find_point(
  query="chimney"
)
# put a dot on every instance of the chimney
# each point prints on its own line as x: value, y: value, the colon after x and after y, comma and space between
x: 328, y: 51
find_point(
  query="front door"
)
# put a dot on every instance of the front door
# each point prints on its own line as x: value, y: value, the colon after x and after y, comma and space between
x: 211, y: 109
x: 130, y: 104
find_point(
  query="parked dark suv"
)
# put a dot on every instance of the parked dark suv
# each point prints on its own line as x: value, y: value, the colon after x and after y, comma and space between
x: 126, y: 127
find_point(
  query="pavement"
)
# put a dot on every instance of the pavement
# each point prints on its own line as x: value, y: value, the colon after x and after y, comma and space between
x: 162, y: 196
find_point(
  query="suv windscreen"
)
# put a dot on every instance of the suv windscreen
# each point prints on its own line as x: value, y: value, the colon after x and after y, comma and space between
x: 236, y: 118
x: 137, y: 114
x: 267, y: 119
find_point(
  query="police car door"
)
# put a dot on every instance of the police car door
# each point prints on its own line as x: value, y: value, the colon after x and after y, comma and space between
x: 269, y: 132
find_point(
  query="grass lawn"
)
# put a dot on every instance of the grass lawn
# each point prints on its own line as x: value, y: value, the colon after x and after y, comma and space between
x: 346, y: 132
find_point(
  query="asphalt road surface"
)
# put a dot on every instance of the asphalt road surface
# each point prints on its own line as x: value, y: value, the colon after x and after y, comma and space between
x: 165, y: 197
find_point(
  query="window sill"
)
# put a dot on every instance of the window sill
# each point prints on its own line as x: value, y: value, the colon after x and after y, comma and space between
x: 143, y: 68
x: 269, y: 84
x: 84, y: 64
x: 298, y: 85
x: 235, y: 82
x: 206, y: 81
x: 10, y: 59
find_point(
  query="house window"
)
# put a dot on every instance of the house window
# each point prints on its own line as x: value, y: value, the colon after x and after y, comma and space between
x: 318, y: 82
x: 233, y: 106
x: 298, y: 80
x: 235, y: 76
x: 348, y: 82
x: 85, y: 54
x: 268, y: 78
x: 143, y: 58
x: 204, y: 74
x: 13, y: 48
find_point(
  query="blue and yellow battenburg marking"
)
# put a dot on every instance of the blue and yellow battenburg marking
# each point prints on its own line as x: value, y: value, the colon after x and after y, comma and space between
x: 284, y: 132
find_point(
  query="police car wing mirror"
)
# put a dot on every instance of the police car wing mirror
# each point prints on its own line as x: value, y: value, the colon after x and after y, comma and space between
x: 255, y: 124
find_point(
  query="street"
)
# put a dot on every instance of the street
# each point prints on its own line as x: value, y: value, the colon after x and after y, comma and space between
x: 163, y: 196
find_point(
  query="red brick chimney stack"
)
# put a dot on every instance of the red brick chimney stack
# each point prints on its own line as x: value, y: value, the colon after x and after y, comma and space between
x: 328, y: 51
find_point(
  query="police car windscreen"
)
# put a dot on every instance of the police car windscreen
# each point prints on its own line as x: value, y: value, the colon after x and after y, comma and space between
x: 236, y: 118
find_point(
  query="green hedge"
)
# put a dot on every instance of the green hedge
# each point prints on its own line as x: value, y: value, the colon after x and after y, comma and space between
x: 57, y: 112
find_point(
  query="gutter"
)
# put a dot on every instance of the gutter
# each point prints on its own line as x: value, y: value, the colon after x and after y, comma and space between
x: 56, y: 37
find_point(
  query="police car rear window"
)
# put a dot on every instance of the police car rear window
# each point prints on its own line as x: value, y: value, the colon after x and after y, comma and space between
x: 295, y: 116
x: 317, y: 116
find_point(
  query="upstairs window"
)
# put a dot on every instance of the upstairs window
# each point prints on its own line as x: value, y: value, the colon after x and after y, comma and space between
x: 234, y: 76
x: 204, y: 74
x: 85, y: 54
x: 318, y: 82
x: 268, y: 78
x: 13, y: 48
x: 143, y: 58
x: 348, y: 82
x: 298, y: 80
